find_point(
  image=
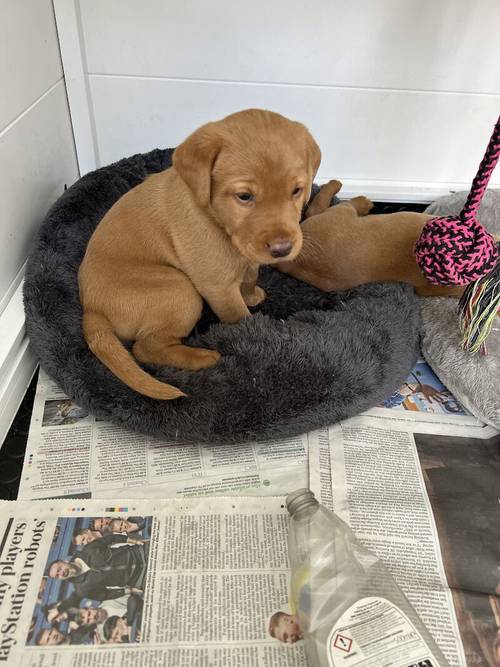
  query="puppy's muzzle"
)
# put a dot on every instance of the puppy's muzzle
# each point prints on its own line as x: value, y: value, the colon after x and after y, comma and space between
x: 280, y: 248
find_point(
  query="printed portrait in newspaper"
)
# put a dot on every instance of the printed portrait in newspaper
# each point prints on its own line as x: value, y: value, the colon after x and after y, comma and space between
x: 64, y: 412
x: 93, y: 586
x: 285, y: 625
x: 423, y: 392
x: 462, y: 476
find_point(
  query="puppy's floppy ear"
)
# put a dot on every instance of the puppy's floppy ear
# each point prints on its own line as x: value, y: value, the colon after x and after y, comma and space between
x: 314, y: 154
x: 314, y: 159
x: 194, y: 160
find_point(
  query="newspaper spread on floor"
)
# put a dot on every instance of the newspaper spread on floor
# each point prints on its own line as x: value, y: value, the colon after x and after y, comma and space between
x: 425, y: 497
x: 416, y: 478
x: 70, y: 453
x: 175, y: 583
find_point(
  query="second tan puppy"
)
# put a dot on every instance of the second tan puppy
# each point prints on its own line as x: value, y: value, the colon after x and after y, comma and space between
x: 231, y: 201
x: 343, y: 247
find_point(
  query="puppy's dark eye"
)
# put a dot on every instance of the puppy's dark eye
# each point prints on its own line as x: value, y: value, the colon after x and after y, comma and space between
x: 244, y: 197
x: 297, y: 191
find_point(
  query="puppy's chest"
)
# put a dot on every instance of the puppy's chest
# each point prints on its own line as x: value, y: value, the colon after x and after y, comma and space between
x: 209, y: 256
x: 221, y: 267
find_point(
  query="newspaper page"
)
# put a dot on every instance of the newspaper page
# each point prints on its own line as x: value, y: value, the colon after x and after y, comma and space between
x: 177, y: 583
x: 71, y: 454
x: 426, y: 499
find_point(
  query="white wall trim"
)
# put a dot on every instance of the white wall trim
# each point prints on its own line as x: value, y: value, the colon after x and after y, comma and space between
x: 5, y: 300
x: 72, y: 47
x: 17, y: 362
x: 395, y: 191
x: 291, y: 84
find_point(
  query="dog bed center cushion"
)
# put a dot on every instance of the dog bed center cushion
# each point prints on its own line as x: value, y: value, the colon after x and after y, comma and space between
x: 305, y: 359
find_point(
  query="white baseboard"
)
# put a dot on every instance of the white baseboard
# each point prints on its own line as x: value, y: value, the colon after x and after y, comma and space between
x: 17, y: 363
x: 395, y: 191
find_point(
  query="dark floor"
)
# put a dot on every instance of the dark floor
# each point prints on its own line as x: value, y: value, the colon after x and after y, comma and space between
x: 12, y: 451
x: 394, y: 207
x: 13, y: 448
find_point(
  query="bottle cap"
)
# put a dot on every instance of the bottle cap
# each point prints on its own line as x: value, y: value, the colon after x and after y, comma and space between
x: 299, y: 500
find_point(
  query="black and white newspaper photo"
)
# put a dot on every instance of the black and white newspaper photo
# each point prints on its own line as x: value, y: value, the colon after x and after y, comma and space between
x: 462, y: 479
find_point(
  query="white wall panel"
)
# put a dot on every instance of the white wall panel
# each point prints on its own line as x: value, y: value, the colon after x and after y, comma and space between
x: 29, y: 55
x: 37, y: 158
x: 401, y: 94
x: 449, y: 45
x: 368, y: 136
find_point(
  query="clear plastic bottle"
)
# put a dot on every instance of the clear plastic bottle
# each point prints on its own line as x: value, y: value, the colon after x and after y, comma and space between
x: 349, y: 608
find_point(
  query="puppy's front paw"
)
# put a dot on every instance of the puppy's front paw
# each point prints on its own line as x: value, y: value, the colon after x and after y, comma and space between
x: 362, y: 204
x: 256, y: 297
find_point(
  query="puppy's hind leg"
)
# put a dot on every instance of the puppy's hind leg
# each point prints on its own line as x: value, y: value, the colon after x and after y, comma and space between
x: 172, y: 316
x: 162, y: 349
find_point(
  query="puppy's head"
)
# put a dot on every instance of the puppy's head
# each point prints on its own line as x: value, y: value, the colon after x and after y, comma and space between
x: 253, y: 172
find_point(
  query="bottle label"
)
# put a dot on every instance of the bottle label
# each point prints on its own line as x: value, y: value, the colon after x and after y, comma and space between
x: 374, y: 632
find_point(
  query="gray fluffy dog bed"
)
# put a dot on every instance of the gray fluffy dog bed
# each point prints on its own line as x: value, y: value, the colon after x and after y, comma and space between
x: 305, y: 359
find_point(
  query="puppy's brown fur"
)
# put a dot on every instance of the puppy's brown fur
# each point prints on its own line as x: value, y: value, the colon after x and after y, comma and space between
x: 343, y: 247
x: 184, y: 235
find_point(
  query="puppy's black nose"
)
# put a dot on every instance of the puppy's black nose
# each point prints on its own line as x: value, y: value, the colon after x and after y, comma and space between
x: 280, y: 248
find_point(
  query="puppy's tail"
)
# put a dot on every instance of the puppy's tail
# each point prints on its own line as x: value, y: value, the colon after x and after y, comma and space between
x: 108, y: 348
